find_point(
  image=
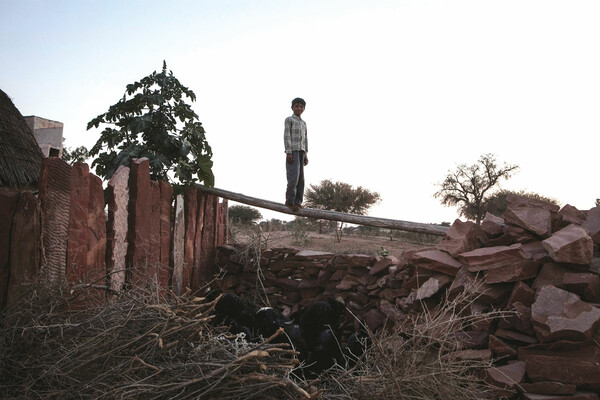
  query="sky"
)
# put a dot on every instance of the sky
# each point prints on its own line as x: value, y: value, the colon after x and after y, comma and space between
x: 398, y: 92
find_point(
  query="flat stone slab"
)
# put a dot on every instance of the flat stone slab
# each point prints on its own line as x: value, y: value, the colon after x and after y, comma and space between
x: 462, y: 237
x: 438, y: 261
x: 570, y: 245
x: 492, y: 257
x: 558, y: 314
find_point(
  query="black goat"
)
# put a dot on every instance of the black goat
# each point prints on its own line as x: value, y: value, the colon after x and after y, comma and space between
x: 318, y: 317
x: 235, y: 312
x: 268, y: 320
x: 326, y: 353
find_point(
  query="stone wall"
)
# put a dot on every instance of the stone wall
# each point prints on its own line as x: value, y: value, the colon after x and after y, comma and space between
x: 67, y: 233
x: 539, y: 262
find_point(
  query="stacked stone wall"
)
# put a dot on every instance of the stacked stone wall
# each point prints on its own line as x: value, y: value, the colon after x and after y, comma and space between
x: 538, y: 263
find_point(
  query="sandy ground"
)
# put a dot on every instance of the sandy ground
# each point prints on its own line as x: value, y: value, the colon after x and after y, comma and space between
x: 326, y: 242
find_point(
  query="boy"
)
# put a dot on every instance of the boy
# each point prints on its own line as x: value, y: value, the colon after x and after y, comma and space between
x: 296, y: 147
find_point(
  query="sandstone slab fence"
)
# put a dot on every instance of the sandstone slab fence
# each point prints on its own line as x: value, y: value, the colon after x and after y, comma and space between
x: 138, y: 233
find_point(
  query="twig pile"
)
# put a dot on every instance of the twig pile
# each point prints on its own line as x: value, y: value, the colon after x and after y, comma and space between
x: 134, y: 346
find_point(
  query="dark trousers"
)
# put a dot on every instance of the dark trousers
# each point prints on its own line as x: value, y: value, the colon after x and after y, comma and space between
x: 295, y: 179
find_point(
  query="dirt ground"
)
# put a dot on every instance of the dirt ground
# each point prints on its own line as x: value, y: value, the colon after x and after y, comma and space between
x: 353, y: 244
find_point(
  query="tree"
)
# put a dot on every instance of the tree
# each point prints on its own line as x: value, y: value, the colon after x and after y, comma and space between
x: 153, y: 120
x: 244, y: 215
x: 496, y: 203
x: 340, y: 197
x: 468, y: 187
x: 78, y: 154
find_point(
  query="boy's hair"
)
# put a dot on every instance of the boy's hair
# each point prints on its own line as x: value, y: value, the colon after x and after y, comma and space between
x: 298, y: 100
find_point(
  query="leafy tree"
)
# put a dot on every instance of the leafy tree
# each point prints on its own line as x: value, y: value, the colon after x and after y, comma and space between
x: 153, y: 120
x: 469, y: 186
x: 340, y: 197
x: 78, y: 154
x: 496, y: 203
x: 244, y: 215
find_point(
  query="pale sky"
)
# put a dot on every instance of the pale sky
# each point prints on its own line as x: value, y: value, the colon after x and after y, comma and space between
x: 397, y: 92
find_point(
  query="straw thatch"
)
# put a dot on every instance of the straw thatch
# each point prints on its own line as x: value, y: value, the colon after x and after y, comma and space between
x: 20, y: 155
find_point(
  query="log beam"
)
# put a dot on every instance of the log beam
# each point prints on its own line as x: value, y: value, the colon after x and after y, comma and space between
x: 430, y: 229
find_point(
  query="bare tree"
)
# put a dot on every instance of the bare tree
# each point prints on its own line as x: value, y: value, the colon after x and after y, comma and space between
x: 469, y: 186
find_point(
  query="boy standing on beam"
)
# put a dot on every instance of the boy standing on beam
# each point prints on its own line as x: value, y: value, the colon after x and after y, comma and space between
x: 296, y: 147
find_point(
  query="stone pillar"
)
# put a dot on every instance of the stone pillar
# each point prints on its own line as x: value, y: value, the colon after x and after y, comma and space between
x: 55, y: 194
x: 96, y: 246
x: 191, y: 210
x: 9, y: 199
x: 140, y: 213
x: 78, y: 233
x: 118, y: 198
x: 178, y: 245
x: 25, y: 245
x: 196, y: 274
x: 166, y: 202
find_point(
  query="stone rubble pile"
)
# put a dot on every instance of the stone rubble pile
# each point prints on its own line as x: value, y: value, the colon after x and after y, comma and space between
x: 537, y: 261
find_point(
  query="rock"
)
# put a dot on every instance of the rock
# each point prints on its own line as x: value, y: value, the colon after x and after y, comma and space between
x: 25, y: 245
x: 549, y: 387
x: 391, y: 312
x: 516, y: 271
x: 531, y: 214
x: 166, y: 203
x: 116, y: 234
x: 178, y: 245
x: 78, y: 233
x: 383, y: 265
x: 523, y: 294
x: 438, y: 261
x: 592, y: 224
x: 570, y: 245
x: 570, y: 215
x: 515, y: 336
x: 466, y: 281
x: 374, y: 319
x: 9, y: 199
x: 462, y: 237
x: 140, y: 215
x: 433, y: 285
x: 310, y: 255
x: 492, y: 225
x: 585, y: 285
x: 576, y: 363
x: 55, y: 194
x: 501, y: 348
x: 558, y: 314
x: 520, y: 320
x: 535, y: 251
x: 507, y: 376
x: 492, y: 257
x: 574, y: 396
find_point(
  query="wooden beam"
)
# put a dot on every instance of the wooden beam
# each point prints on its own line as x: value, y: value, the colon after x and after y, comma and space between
x: 430, y: 229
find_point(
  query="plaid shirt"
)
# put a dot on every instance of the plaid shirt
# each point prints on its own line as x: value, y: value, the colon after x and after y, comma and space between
x: 294, y: 135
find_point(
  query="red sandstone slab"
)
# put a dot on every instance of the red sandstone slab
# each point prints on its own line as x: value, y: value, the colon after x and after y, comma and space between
x: 584, y: 284
x: 570, y: 245
x: 576, y: 363
x: 558, y: 314
x: 574, y: 396
x: 54, y: 194
x: 178, y: 245
x: 140, y: 215
x: 433, y: 286
x: 517, y: 271
x: 438, y: 261
x: 571, y: 215
x: 592, y: 224
x: 25, y: 245
x: 493, y: 225
x: 508, y: 376
x: 476, y: 287
x: 462, y: 237
x: 501, y: 348
x: 548, y: 388
x: 9, y: 199
x: 383, y: 265
x: 492, y: 257
x: 521, y: 293
x: 78, y: 236
x: 116, y: 234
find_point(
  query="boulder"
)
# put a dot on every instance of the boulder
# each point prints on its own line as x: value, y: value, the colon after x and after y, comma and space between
x: 438, y: 261
x: 576, y: 363
x: 462, y: 237
x: 592, y: 224
x: 531, y: 214
x: 493, y: 225
x: 570, y: 245
x: 492, y: 257
x: 557, y: 314
x: 570, y: 215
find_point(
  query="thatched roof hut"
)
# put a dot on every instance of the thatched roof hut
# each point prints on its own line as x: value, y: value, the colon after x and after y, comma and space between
x: 20, y: 155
